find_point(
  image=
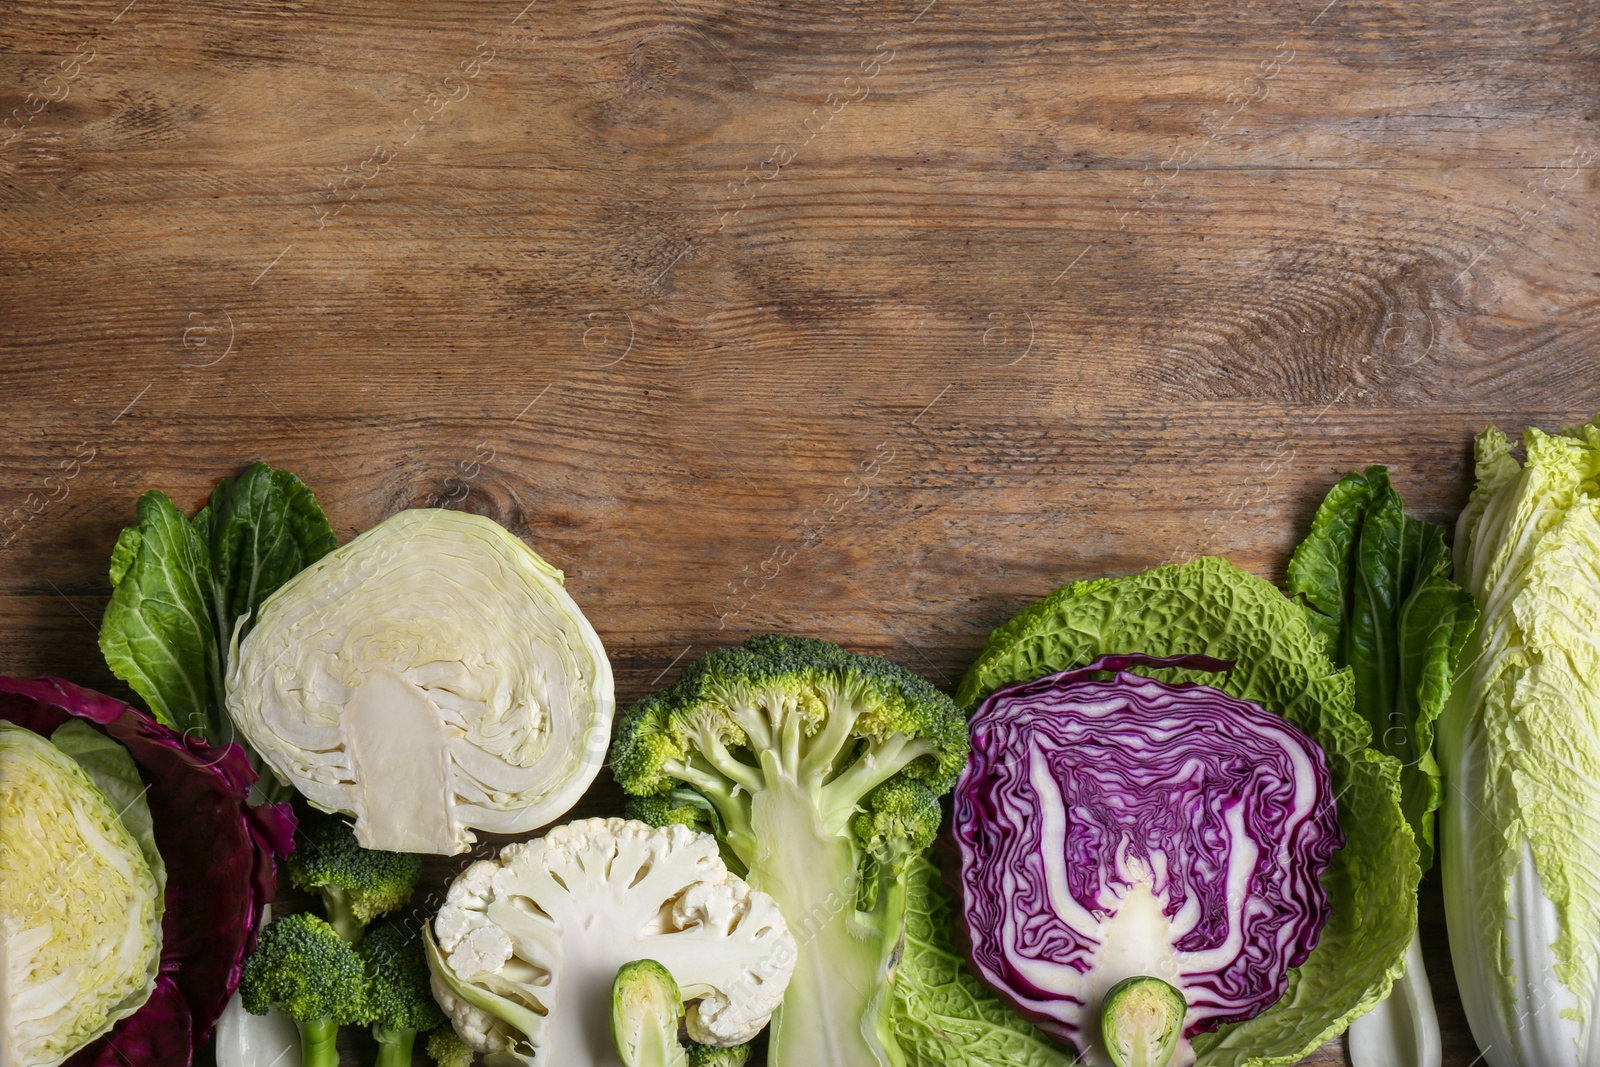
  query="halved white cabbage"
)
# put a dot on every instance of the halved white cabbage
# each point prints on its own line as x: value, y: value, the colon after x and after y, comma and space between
x: 429, y: 677
x: 80, y: 907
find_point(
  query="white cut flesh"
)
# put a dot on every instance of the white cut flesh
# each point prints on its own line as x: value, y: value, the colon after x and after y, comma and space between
x: 1403, y: 1030
x: 245, y: 1040
x: 430, y: 678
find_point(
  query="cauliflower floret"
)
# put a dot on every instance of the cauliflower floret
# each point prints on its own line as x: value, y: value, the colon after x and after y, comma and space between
x: 473, y: 884
x: 539, y: 933
x: 482, y: 952
x: 735, y: 1014
x: 476, y: 1028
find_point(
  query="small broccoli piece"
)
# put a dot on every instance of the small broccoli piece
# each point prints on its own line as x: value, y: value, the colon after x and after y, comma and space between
x: 823, y: 769
x: 399, y: 1000
x: 313, y: 976
x: 892, y: 827
x: 688, y: 808
x: 683, y: 806
x: 712, y: 1056
x: 356, y: 884
x: 447, y: 1048
x: 646, y: 1012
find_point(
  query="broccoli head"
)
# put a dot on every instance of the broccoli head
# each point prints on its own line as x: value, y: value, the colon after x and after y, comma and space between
x: 712, y: 1056
x: 399, y: 1000
x: 311, y: 974
x: 680, y: 806
x: 447, y: 1049
x: 822, y: 769
x: 894, y: 826
x: 356, y: 884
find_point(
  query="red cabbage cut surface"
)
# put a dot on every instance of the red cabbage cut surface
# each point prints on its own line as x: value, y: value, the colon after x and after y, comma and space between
x: 1122, y: 827
x: 219, y: 856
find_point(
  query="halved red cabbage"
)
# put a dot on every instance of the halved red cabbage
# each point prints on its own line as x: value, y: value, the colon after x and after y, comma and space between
x: 219, y: 856
x: 1123, y: 827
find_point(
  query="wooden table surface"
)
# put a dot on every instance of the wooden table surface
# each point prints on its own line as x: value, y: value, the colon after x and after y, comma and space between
x: 865, y: 320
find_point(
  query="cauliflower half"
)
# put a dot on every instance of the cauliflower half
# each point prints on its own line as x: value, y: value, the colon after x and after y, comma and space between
x: 528, y: 944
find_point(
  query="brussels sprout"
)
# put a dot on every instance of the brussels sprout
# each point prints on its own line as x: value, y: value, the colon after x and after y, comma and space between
x: 1141, y: 1021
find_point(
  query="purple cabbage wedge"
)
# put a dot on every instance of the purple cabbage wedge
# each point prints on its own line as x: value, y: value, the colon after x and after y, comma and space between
x: 218, y: 852
x: 1118, y: 828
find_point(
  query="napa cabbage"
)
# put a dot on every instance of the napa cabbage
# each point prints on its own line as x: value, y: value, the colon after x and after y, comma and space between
x: 1520, y: 741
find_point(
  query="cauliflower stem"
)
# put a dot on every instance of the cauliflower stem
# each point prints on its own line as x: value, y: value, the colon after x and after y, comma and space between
x: 823, y: 770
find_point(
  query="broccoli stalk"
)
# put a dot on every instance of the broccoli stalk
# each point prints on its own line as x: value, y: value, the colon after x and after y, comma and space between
x: 399, y: 1000
x: 356, y: 884
x: 313, y: 976
x: 686, y: 807
x: 823, y: 769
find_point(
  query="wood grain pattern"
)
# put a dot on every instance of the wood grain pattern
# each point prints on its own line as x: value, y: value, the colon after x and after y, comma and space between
x: 869, y: 320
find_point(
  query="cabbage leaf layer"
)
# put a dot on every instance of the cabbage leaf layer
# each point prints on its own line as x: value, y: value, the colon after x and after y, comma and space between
x: 429, y: 678
x: 944, y: 1016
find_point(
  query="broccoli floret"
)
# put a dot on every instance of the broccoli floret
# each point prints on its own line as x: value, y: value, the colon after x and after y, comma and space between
x: 447, y: 1048
x: 313, y: 976
x: 823, y: 768
x: 683, y: 806
x: 399, y: 1000
x: 892, y: 827
x: 711, y: 1056
x: 646, y: 1012
x: 356, y: 884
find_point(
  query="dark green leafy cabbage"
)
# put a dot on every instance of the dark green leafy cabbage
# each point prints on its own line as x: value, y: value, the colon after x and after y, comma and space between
x: 180, y: 585
x: 1377, y: 587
